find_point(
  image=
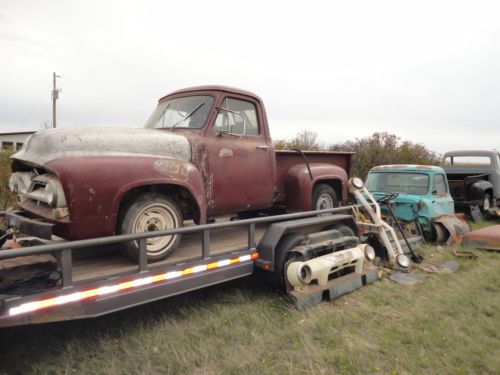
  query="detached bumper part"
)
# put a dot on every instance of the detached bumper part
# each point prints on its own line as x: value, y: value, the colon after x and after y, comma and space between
x: 29, y: 226
x: 310, y: 279
x: 314, y: 294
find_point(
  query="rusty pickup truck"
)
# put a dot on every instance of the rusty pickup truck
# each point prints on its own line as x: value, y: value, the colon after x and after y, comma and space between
x: 205, y: 152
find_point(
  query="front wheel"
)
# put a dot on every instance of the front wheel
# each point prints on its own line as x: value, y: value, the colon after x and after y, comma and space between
x: 324, y: 197
x: 152, y: 212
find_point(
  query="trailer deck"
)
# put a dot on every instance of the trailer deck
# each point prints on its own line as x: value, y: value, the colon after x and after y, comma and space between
x: 98, y: 263
x: 96, y: 279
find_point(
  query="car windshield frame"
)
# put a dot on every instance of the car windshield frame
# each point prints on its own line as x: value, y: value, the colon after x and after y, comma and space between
x: 407, y: 188
x: 185, y: 112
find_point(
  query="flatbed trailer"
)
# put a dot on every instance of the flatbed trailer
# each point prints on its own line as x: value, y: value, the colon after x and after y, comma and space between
x: 96, y: 282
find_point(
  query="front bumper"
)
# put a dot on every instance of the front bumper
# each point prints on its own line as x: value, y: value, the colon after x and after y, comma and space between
x: 21, y: 221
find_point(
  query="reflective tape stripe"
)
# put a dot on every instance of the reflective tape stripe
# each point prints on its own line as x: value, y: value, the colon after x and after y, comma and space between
x: 105, y: 290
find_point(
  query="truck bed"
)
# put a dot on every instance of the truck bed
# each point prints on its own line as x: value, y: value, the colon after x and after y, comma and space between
x: 288, y: 158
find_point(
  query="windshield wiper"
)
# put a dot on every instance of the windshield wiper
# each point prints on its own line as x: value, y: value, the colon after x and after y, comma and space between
x: 188, y: 115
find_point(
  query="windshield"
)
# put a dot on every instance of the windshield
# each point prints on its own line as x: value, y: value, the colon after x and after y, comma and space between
x: 398, y: 182
x: 186, y: 112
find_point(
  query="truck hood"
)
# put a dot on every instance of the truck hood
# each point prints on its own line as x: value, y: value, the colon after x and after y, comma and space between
x: 407, y: 205
x: 50, y: 144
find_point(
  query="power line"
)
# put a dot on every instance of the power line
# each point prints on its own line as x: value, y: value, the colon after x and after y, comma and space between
x: 33, y: 107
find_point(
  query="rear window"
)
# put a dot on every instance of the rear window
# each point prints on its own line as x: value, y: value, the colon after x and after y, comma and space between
x: 467, y: 160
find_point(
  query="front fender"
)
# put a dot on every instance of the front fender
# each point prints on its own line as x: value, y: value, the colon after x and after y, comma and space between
x: 94, y: 187
x: 299, y: 185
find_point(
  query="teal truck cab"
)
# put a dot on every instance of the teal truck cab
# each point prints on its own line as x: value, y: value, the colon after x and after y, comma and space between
x: 420, y: 194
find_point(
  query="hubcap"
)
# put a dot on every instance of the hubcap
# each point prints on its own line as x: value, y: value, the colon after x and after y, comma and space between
x: 153, y: 218
x: 324, y: 202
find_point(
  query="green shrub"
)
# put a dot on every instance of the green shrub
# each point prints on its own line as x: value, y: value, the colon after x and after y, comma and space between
x: 7, y: 199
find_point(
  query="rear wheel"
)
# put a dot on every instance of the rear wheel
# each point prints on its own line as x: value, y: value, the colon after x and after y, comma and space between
x: 152, y: 212
x: 324, y: 197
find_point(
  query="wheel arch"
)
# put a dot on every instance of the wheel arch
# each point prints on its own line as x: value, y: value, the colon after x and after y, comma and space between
x: 299, y: 186
x: 183, y: 195
x: 276, y: 231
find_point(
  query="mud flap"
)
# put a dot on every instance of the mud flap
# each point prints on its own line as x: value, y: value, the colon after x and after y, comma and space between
x: 450, y: 229
x: 476, y: 214
x: 314, y: 294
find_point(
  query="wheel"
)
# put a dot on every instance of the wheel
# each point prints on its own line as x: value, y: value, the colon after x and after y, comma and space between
x: 152, y: 212
x: 324, y: 197
x: 282, y: 257
x: 485, y: 207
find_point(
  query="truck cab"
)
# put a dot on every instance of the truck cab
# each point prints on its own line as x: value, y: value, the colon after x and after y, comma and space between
x: 421, y: 192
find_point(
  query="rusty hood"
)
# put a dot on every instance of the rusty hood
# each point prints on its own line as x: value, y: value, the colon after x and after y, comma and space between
x: 50, y: 144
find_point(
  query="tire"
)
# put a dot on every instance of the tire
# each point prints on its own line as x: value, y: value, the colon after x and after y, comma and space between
x: 152, y: 212
x: 282, y: 256
x: 486, y: 205
x: 324, y: 197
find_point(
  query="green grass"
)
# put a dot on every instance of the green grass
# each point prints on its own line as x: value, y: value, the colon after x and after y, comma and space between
x: 485, y: 223
x: 448, y: 324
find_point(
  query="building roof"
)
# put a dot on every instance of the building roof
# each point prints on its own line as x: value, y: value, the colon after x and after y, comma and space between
x: 16, y: 133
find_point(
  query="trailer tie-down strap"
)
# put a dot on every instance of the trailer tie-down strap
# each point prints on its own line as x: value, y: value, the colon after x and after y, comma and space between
x: 109, y: 289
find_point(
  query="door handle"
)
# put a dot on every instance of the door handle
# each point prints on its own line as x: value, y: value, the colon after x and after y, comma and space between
x: 262, y: 147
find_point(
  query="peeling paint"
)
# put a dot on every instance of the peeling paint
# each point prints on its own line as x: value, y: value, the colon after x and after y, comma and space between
x: 176, y: 169
x: 225, y: 153
x: 51, y: 144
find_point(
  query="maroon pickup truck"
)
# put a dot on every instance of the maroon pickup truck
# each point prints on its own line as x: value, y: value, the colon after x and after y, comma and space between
x: 205, y: 152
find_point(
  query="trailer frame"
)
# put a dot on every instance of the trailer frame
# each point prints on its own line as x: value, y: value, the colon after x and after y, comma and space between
x: 100, y: 296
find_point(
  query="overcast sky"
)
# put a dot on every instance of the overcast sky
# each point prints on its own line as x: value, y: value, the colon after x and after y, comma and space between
x: 428, y: 71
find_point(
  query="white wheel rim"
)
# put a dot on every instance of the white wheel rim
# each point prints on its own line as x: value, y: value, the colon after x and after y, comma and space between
x: 156, y: 217
x: 324, y: 202
x: 486, y: 203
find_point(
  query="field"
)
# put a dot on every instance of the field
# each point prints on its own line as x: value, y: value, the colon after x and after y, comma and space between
x: 448, y: 324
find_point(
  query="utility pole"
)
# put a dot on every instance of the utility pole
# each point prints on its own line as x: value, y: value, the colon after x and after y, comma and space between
x: 55, y: 96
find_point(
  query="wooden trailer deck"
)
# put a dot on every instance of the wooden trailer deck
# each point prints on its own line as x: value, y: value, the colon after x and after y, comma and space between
x: 91, y: 264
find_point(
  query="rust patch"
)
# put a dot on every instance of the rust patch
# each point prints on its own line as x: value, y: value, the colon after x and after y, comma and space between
x: 424, y: 167
x: 456, y: 228
x: 226, y: 153
x: 175, y: 169
x: 396, y: 166
x: 486, y: 238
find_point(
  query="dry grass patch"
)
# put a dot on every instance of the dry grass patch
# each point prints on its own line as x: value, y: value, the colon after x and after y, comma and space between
x: 448, y: 324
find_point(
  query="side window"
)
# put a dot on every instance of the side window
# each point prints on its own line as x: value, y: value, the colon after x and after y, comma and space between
x: 440, y: 185
x: 240, y: 118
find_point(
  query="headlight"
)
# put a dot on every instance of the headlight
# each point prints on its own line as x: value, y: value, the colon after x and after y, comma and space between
x: 51, y: 193
x: 369, y: 252
x: 13, y: 183
x: 356, y: 183
x: 403, y: 261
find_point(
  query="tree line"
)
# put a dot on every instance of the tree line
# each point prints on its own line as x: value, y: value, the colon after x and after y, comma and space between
x: 377, y: 149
